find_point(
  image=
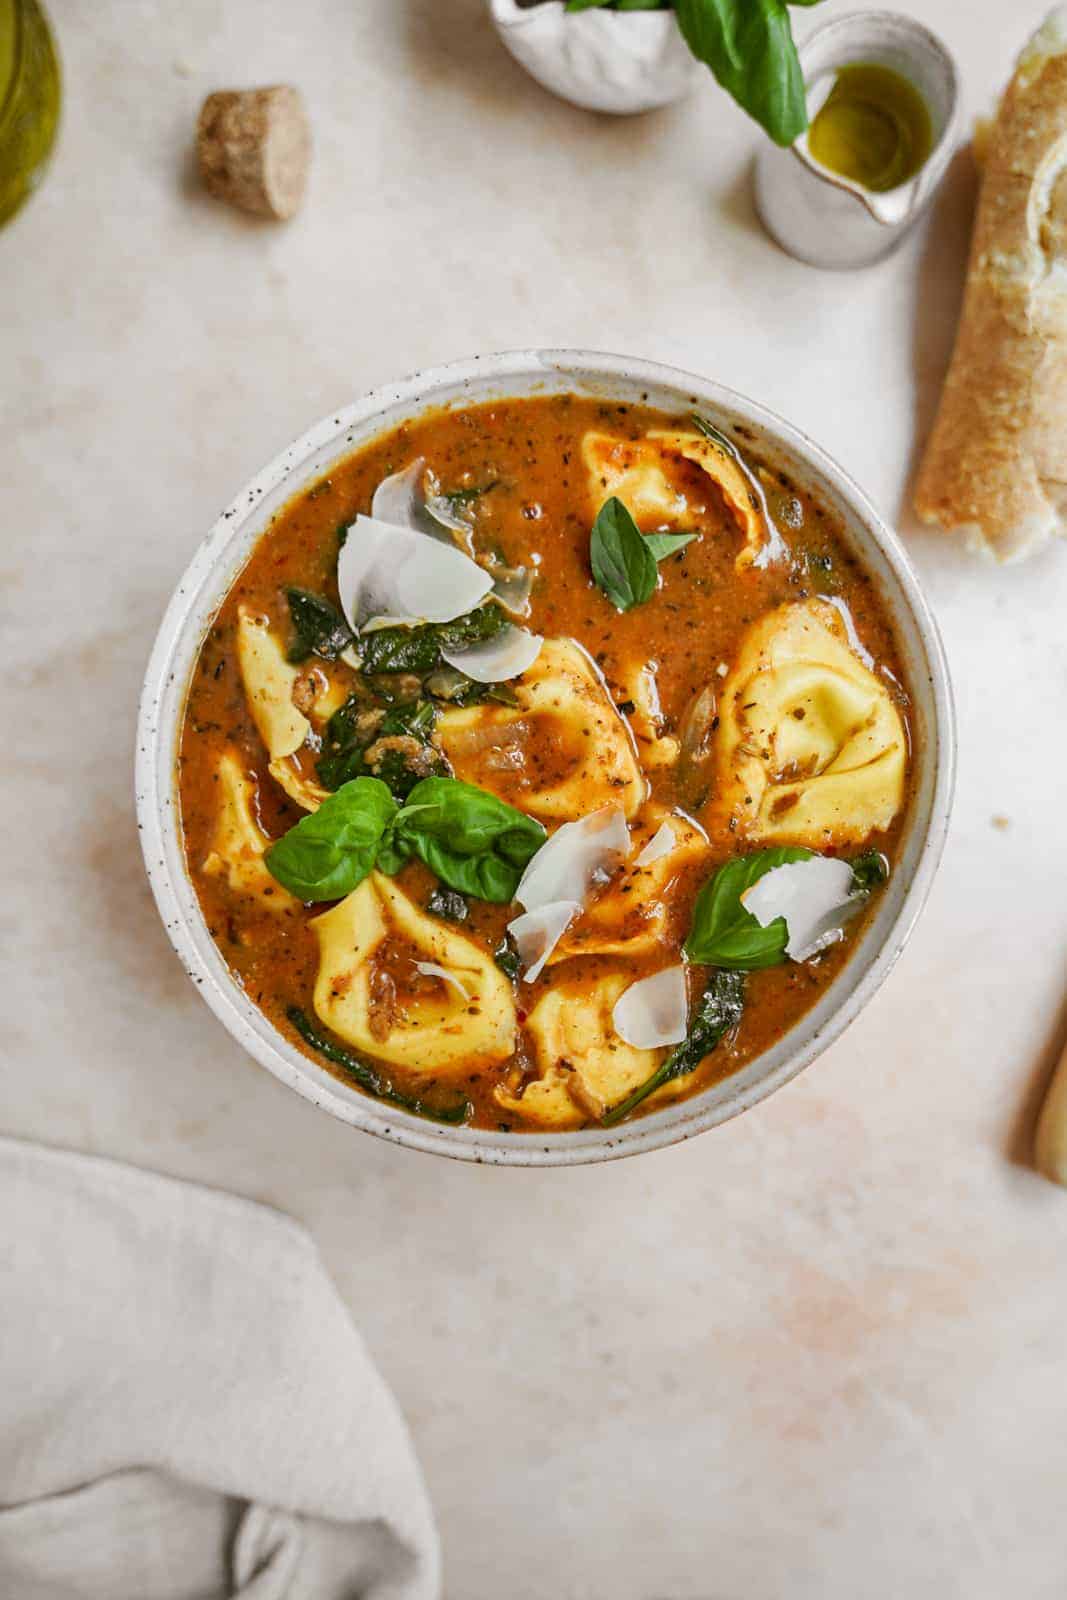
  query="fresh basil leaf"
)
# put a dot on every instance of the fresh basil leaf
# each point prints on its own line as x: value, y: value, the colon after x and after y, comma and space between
x: 748, y: 44
x: 331, y: 851
x: 473, y: 842
x: 723, y: 933
x: 395, y: 746
x: 667, y: 544
x: 319, y: 627
x: 718, y: 1012
x: 419, y: 649
x: 367, y: 1075
x: 869, y: 872
x: 390, y: 856
x: 623, y: 565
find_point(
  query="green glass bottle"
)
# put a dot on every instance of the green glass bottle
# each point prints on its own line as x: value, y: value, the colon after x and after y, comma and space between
x: 29, y: 101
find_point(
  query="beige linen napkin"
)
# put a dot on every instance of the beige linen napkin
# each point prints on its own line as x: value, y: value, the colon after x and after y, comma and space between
x: 186, y: 1411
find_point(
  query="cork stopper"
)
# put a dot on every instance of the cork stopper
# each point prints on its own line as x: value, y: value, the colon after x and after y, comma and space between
x: 253, y: 147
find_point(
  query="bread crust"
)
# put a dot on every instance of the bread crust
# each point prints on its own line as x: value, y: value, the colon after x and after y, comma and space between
x: 995, y: 466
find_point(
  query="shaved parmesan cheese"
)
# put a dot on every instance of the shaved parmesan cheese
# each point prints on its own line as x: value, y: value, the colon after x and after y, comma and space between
x: 661, y: 844
x: 402, y: 501
x: 512, y: 587
x: 398, y: 499
x: 653, y: 1011
x: 574, y: 858
x: 506, y: 655
x: 815, y: 898
x: 537, y: 933
x: 441, y: 511
x: 430, y: 969
x: 389, y: 572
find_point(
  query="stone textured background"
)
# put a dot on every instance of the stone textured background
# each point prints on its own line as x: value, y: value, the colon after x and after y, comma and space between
x: 817, y: 1353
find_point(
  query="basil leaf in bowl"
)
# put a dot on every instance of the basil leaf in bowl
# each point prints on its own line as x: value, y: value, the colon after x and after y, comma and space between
x: 623, y: 565
x: 624, y: 559
x: 473, y: 842
x: 723, y: 933
x: 331, y: 851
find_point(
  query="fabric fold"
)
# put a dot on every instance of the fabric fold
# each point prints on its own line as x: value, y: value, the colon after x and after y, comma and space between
x: 187, y: 1410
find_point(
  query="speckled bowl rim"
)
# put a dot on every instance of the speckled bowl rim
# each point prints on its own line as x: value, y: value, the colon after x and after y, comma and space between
x: 223, y: 553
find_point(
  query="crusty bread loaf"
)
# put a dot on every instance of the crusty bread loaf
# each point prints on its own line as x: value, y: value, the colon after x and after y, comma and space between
x: 996, y: 463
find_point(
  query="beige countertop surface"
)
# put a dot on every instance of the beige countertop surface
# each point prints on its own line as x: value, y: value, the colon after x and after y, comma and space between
x: 817, y: 1353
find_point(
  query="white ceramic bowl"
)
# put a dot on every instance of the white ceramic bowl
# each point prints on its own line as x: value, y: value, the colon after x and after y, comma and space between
x: 225, y: 551
x: 615, y: 61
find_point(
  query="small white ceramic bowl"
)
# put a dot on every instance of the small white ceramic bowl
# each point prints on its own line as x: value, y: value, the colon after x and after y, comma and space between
x: 617, y: 61
x: 223, y: 554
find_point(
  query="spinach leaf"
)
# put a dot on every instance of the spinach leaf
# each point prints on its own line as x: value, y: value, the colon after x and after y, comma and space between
x: 473, y: 842
x: 718, y: 1011
x: 330, y: 852
x: 723, y: 933
x: 394, y: 746
x: 710, y: 431
x: 454, y: 687
x: 667, y: 544
x: 458, y: 498
x: 319, y: 626
x: 623, y: 565
x: 449, y: 904
x: 869, y: 872
x: 418, y: 649
x: 507, y: 958
x: 368, y: 1077
x: 748, y: 44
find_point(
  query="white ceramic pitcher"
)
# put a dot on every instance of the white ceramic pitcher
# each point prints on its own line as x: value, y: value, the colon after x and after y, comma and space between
x: 826, y: 219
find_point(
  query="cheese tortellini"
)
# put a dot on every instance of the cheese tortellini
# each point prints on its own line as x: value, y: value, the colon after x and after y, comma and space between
x: 811, y: 748
x: 560, y: 753
x: 653, y: 476
x: 630, y: 915
x: 269, y: 681
x: 585, y: 1066
x: 239, y: 843
x: 429, y: 1025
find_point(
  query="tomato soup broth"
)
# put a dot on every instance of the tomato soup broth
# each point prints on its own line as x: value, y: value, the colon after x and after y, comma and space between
x: 752, y: 703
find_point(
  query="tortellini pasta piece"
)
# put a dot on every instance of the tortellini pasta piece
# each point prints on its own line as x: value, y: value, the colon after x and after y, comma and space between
x: 651, y: 477
x: 585, y: 1066
x: 630, y: 916
x: 811, y: 748
x: 655, y: 747
x: 269, y: 680
x: 560, y: 753
x: 431, y: 1027
x: 239, y: 843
